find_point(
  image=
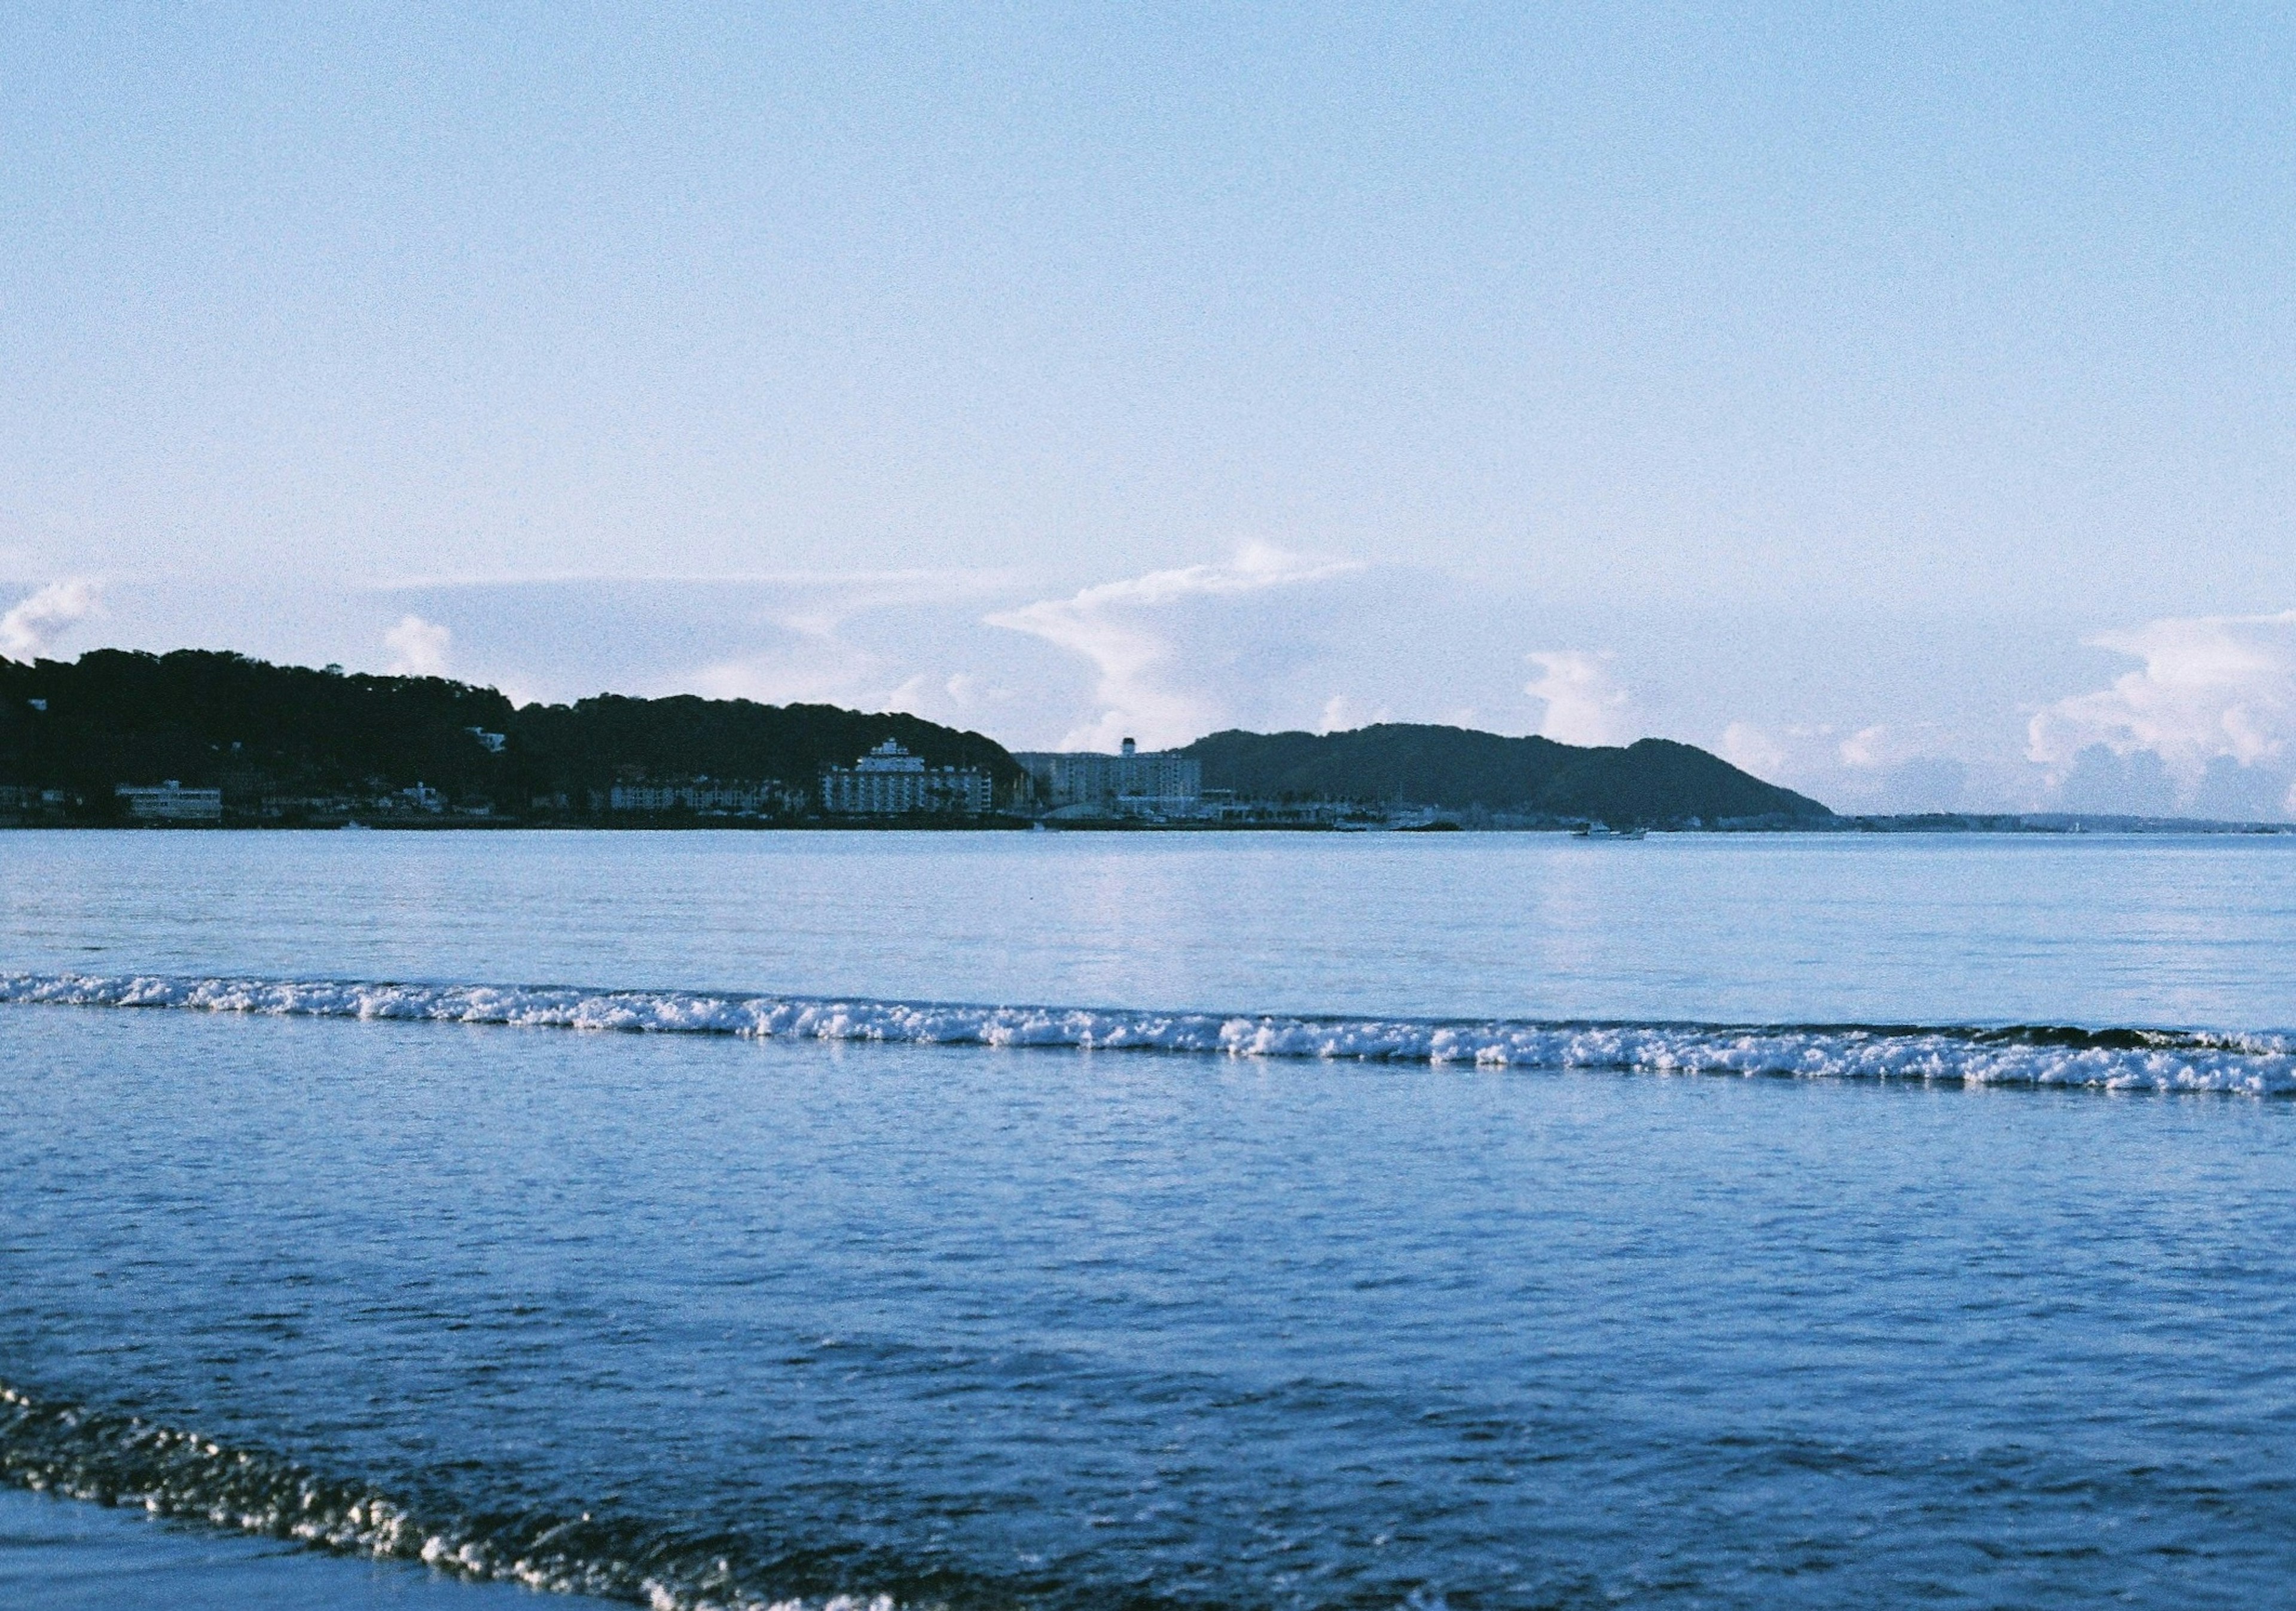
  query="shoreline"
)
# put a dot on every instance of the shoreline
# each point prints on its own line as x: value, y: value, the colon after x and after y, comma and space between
x: 1847, y: 827
x: 78, y: 1555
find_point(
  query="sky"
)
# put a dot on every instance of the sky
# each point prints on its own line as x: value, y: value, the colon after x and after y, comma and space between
x: 1898, y: 400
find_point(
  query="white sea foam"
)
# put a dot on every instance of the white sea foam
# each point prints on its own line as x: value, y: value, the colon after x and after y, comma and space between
x: 78, y: 1453
x: 2117, y: 1059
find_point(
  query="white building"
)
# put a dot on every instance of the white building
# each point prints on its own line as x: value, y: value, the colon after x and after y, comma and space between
x: 891, y: 782
x: 1161, y: 782
x: 704, y: 797
x: 170, y: 802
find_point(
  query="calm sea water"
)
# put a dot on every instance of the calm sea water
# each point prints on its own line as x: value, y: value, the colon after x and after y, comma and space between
x: 1992, y: 1314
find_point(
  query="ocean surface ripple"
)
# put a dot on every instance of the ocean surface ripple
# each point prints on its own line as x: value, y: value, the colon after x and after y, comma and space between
x: 77, y: 1452
x: 2118, y: 1058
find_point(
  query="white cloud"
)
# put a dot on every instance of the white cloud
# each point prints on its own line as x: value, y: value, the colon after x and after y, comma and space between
x: 1585, y: 704
x: 1750, y: 749
x: 2101, y: 780
x: 1883, y: 745
x: 1869, y: 747
x: 30, y: 628
x: 1901, y: 769
x: 2207, y: 723
x: 2210, y: 687
x: 418, y: 648
x: 2231, y: 792
x: 960, y: 700
x: 1810, y: 756
x: 903, y: 616
x: 1343, y: 714
x: 1147, y: 687
x: 1881, y: 767
x: 818, y: 668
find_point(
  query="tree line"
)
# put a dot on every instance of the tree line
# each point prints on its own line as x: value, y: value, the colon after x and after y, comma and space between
x: 259, y: 732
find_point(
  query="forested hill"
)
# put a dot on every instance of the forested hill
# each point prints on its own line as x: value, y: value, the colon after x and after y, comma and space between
x: 1652, y: 780
x: 280, y: 739
x: 216, y: 719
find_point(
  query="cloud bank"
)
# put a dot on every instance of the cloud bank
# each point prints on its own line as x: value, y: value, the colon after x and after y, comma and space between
x: 2199, y: 720
x: 858, y: 640
x: 1880, y: 768
x: 30, y: 628
x: 1164, y: 674
x: 418, y: 648
x: 2206, y: 723
x: 1585, y: 704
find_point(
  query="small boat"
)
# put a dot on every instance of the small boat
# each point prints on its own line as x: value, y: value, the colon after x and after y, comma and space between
x: 1603, y: 830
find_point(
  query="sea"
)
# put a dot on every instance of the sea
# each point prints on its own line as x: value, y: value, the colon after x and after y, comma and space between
x: 874, y: 1221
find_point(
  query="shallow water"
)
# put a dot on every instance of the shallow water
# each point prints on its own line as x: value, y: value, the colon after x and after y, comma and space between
x: 709, y: 1318
x: 60, y: 1555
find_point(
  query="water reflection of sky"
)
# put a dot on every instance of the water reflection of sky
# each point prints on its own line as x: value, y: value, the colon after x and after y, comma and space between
x: 1773, y: 928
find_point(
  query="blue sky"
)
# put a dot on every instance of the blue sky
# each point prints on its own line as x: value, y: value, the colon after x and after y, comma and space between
x: 1902, y: 402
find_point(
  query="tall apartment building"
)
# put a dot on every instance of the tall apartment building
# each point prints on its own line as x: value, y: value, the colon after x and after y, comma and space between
x: 1161, y: 782
x: 891, y: 782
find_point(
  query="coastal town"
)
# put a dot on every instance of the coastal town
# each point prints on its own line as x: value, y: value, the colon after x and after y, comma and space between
x: 197, y: 739
x: 208, y: 738
x: 886, y: 785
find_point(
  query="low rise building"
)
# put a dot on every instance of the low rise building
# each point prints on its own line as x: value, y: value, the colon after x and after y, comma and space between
x: 891, y: 782
x: 703, y: 797
x: 21, y: 804
x: 170, y: 802
x: 1129, y: 783
x: 311, y: 808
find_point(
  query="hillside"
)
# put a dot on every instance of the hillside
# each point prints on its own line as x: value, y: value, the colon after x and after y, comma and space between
x: 260, y: 731
x: 288, y: 743
x: 1651, y: 781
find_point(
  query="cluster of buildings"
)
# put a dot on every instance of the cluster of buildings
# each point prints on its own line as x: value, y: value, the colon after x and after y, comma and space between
x: 1150, y: 787
x: 170, y: 803
x: 1156, y: 785
x: 705, y: 796
x: 888, y: 782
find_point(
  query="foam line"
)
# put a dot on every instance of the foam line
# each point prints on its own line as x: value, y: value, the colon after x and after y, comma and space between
x: 80, y: 1452
x: 2143, y: 1059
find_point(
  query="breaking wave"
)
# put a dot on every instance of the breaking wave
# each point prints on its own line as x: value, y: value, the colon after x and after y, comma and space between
x: 115, y: 1458
x: 2130, y: 1060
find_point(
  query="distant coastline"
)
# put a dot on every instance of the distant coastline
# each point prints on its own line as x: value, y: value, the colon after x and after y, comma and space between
x: 209, y: 740
x: 1910, y: 825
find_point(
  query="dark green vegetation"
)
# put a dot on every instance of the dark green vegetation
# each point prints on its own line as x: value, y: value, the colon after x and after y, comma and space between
x: 288, y: 744
x: 586, y: 743
x: 283, y: 741
x: 1654, y: 780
